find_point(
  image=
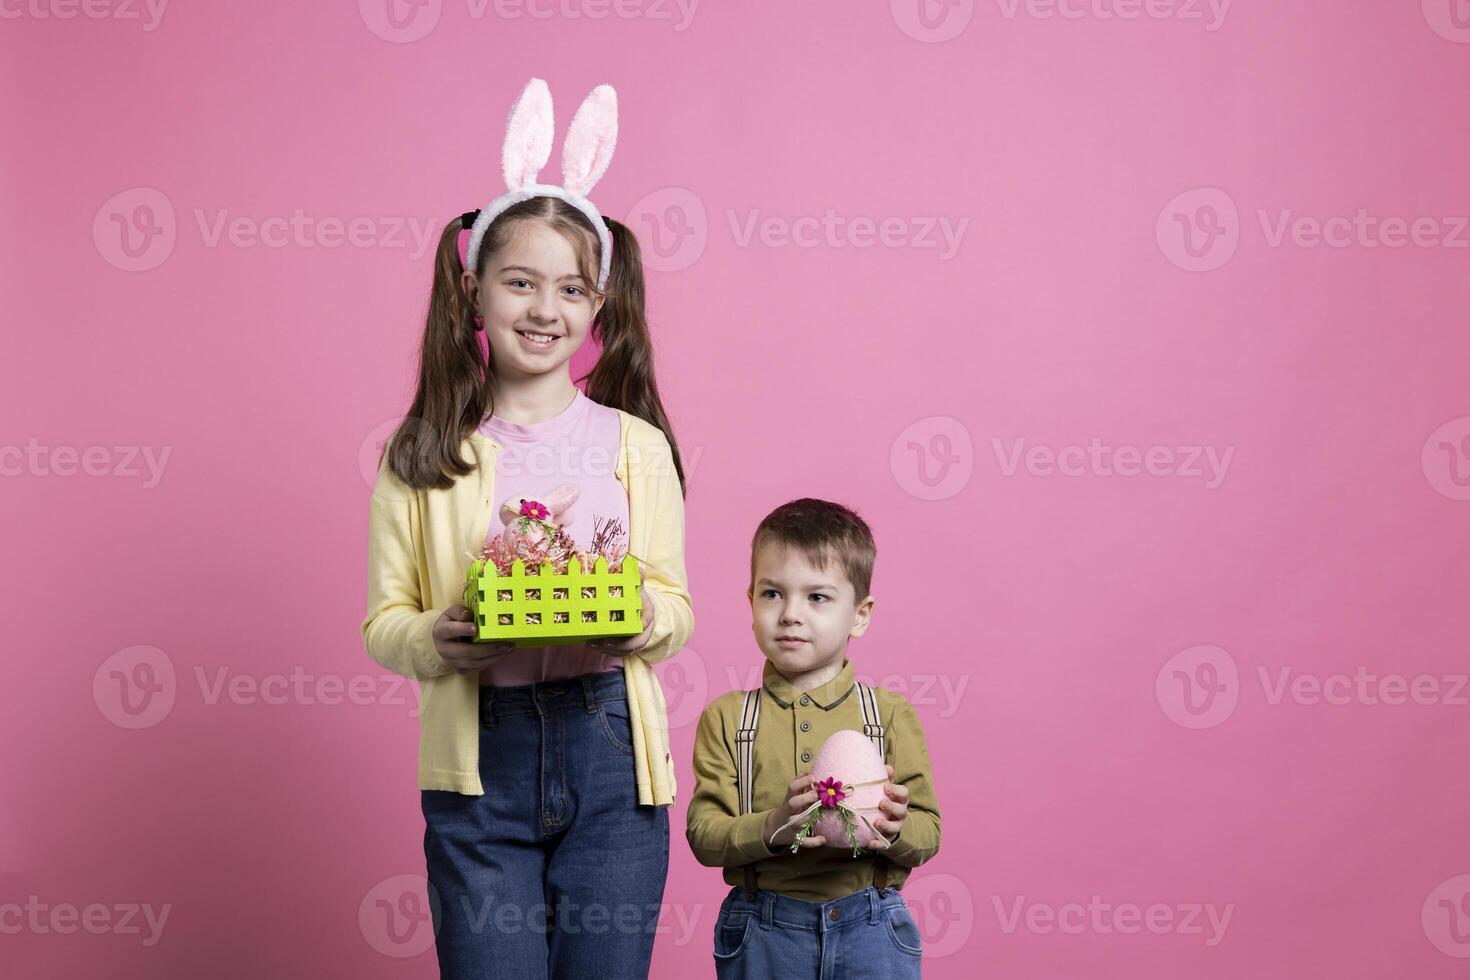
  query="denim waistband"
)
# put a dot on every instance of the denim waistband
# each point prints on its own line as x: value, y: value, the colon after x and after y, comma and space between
x: 583, y: 691
x: 774, y: 909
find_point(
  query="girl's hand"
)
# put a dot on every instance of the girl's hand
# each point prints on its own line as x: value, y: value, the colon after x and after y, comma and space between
x: 453, y: 637
x: 894, y: 808
x: 622, y: 646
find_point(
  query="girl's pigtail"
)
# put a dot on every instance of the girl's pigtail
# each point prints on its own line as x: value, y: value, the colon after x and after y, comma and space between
x: 452, y: 390
x: 623, y: 375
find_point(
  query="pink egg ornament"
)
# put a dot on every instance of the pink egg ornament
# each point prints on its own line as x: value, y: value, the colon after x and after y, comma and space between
x: 850, y: 756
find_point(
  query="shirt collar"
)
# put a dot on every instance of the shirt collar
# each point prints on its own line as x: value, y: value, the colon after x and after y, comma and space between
x: 826, y: 697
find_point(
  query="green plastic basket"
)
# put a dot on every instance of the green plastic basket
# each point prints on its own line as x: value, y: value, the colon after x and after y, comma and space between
x: 547, y: 608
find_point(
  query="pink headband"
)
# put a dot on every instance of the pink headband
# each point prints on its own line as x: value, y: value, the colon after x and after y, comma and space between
x: 586, y: 152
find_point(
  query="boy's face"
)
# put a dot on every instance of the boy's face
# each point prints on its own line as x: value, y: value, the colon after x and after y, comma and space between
x: 803, y: 615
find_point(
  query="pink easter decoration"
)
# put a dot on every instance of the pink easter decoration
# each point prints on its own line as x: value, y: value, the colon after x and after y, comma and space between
x: 849, y: 757
x: 530, y: 522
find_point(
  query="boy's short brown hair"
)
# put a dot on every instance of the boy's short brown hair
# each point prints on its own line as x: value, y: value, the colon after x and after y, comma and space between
x: 820, y: 530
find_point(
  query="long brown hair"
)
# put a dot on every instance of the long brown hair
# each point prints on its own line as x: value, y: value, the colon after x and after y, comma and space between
x: 457, y: 383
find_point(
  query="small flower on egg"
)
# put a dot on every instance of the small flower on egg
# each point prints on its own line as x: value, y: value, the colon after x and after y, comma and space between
x: 534, y: 509
x: 830, y: 792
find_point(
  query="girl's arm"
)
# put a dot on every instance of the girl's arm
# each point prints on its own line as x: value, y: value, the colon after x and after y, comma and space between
x: 663, y: 566
x: 398, y: 631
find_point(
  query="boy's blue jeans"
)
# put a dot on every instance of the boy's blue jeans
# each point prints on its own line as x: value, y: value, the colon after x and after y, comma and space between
x: 865, y: 934
x: 556, y: 871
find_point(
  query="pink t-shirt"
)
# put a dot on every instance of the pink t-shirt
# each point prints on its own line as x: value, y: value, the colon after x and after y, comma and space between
x: 578, y: 446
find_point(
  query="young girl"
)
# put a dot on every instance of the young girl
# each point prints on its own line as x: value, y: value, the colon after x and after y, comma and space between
x: 544, y: 772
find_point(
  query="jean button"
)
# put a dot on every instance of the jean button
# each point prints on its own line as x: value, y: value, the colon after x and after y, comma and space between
x: 834, y: 914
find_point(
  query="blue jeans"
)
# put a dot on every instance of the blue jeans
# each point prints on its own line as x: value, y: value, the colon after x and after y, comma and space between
x: 556, y: 871
x: 865, y: 934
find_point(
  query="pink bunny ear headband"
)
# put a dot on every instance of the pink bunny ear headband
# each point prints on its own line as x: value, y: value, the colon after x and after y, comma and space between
x: 585, y: 154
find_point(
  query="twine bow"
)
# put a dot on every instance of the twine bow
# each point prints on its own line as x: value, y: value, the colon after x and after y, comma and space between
x: 808, y: 819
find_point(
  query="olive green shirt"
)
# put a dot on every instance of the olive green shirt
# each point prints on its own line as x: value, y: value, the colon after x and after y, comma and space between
x: 793, y: 725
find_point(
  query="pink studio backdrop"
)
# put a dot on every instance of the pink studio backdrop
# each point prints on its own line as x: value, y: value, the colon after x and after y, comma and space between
x: 1137, y: 331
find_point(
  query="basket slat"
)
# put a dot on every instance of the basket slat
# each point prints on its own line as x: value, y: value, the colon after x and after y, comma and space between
x: 587, y: 617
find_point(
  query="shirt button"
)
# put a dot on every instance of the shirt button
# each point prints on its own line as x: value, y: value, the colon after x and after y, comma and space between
x: 834, y: 914
x: 806, y: 757
x: 806, y: 726
x: 805, y: 699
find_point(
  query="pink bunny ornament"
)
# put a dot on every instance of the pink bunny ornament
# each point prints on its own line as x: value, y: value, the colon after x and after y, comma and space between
x: 530, y: 522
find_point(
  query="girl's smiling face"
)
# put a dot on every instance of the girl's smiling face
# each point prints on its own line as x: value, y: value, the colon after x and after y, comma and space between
x: 537, y: 306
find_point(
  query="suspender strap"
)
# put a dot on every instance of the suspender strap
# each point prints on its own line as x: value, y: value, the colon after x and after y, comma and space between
x: 873, y: 728
x: 872, y: 724
x: 745, y: 750
x: 745, y: 768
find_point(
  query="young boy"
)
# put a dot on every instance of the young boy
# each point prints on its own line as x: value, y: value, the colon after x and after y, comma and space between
x: 819, y: 912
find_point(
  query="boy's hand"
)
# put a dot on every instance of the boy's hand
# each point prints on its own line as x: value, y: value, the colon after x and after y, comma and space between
x: 799, y: 795
x: 894, y: 808
x: 622, y: 646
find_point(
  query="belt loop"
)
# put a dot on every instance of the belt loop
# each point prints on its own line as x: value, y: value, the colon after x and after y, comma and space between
x: 487, y: 707
x: 768, y: 909
x: 588, y: 695
x: 874, y: 903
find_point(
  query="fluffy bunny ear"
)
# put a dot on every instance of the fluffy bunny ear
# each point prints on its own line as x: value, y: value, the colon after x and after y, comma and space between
x: 528, y: 133
x: 588, y: 147
x: 561, y: 499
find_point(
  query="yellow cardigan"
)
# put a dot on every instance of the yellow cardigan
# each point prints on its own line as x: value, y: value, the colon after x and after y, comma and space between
x: 419, y: 548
